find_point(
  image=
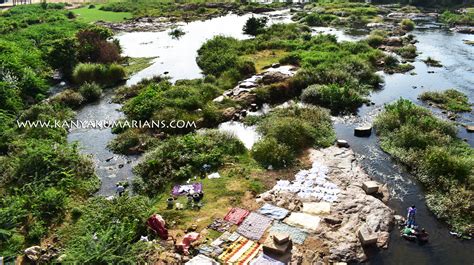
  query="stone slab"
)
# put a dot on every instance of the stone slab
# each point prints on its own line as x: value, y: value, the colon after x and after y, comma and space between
x: 317, y: 208
x: 303, y: 220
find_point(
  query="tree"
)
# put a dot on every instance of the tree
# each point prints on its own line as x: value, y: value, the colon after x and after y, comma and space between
x: 94, y: 47
x: 62, y: 55
x: 254, y: 25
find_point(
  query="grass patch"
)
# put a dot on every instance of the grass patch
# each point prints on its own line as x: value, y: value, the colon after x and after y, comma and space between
x: 135, y: 65
x: 450, y: 99
x: 265, y: 58
x: 89, y: 15
x: 432, y: 62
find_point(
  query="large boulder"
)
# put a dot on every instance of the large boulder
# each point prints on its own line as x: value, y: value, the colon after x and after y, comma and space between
x: 271, y: 77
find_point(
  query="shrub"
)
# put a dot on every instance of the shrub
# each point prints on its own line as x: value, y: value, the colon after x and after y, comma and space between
x: 408, y: 51
x: 10, y: 99
x: 176, y: 33
x: 51, y: 203
x: 94, y: 47
x: 253, y: 26
x: 69, y: 98
x: 317, y: 20
x: 246, y: 67
x: 335, y: 97
x: 36, y: 231
x: 375, y: 40
x: 218, y: 55
x: 90, y: 91
x: 290, y: 131
x: 269, y: 152
x: 407, y: 24
x: 62, y: 55
x: 314, y: 127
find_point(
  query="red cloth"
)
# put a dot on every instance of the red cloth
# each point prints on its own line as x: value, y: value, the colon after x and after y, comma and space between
x: 236, y: 215
x: 186, y: 243
x: 157, y: 224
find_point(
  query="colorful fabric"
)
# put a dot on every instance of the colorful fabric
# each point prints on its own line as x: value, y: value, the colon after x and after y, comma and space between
x: 186, y: 189
x: 236, y: 215
x: 273, y: 212
x: 240, y: 252
x: 254, y: 226
x: 297, y: 235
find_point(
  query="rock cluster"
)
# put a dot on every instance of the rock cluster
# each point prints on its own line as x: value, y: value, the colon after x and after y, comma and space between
x: 353, y: 209
x: 37, y: 254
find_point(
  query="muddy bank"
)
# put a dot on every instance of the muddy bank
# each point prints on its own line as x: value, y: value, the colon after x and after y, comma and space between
x: 332, y: 191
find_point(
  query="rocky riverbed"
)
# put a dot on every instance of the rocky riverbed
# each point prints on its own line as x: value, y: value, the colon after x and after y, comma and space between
x: 343, y: 212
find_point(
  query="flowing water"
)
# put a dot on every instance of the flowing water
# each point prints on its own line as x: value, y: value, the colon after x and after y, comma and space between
x: 177, y: 58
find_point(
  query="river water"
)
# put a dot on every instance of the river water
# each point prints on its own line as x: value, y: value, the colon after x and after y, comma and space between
x: 177, y: 57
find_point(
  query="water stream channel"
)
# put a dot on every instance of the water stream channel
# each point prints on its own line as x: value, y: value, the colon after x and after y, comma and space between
x: 177, y: 57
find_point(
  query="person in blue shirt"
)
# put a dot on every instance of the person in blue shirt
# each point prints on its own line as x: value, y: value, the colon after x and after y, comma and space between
x: 411, y: 216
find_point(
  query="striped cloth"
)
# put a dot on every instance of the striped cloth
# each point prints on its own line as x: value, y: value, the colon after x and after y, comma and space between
x: 241, y: 252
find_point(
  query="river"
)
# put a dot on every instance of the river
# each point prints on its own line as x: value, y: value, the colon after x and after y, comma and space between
x: 177, y: 57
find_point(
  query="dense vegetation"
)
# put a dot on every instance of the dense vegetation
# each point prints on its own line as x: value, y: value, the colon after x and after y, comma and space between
x: 452, y: 18
x: 41, y: 174
x: 450, y: 99
x: 443, y: 163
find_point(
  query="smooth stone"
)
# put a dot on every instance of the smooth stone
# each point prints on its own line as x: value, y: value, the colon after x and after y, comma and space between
x: 363, y: 131
x: 342, y: 143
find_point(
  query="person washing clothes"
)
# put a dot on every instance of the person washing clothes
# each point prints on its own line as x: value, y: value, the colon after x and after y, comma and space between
x: 411, y: 216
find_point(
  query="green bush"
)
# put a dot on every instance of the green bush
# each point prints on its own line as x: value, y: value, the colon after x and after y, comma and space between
x: 181, y: 157
x: 269, y: 152
x: 90, y: 91
x: 375, y: 40
x: 335, y: 97
x: 218, y: 55
x: 253, y: 26
x: 316, y: 20
x: 407, y: 24
x: 10, y: 98
x: 408, y: 51
x: 51, y: 202
x: 69, y: 98
x: 289, y: 131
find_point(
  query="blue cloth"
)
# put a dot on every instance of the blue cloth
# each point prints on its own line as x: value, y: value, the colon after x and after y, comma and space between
x: 273, y: 212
